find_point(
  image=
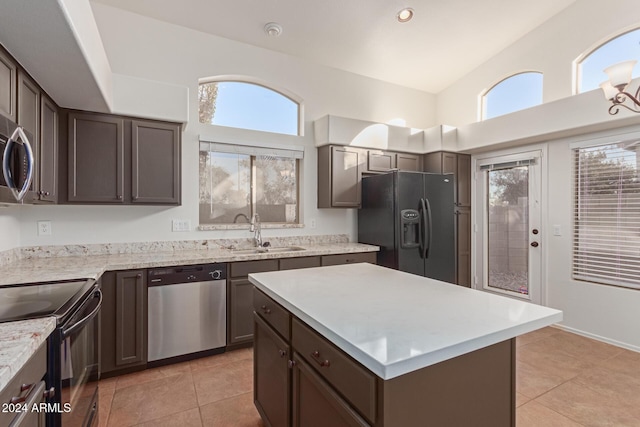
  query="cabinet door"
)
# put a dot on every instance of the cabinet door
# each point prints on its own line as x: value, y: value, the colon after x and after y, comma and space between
x: 463, y: 179
x: 380, y: 161
x: 316, y: 404
x: 345, y: 177
x: 408, y: 162
x: 155, y: 157
x: 131, y: 318
x: 271, y: 375
x: 449, y: 163
x: 96, y: 158
x: 433, y: 162
x: 463, y: 247
x: 48, y: 150
x: 239, y: 311
x: 8, y: 76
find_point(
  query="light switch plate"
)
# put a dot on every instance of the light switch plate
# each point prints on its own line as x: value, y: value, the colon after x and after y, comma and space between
x: 180, y: 225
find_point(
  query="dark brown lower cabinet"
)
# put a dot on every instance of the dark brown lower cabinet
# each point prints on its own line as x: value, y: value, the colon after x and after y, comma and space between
x: 123, y: 320
x: 315, y: 403
x: 272, y: 376
x: 463, y: 247
x: 326, y: 387
x: 240, y: 325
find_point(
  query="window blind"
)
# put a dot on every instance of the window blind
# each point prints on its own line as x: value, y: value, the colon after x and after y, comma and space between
x: 606, y: 243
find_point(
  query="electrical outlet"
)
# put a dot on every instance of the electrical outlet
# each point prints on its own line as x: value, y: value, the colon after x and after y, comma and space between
x: 44, y: 228
x: 557, y: 230
x: 180, y: 225
x: 312, y: 223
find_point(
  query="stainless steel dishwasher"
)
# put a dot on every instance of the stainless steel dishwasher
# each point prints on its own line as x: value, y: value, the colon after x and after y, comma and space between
x: 187, y: 310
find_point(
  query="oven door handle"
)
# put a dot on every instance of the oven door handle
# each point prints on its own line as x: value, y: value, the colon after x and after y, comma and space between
x: 81, y: 323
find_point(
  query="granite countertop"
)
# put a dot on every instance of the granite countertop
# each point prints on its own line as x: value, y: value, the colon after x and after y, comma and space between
x: 58, y: 268
x: 18, y: 342
x: 394, y: 322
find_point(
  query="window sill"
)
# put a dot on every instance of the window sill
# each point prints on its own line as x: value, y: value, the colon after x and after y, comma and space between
x: 245, y: 226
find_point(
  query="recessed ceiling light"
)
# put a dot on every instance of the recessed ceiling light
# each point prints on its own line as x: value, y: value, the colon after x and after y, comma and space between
x: 273, y: 29
x: 405, y: 15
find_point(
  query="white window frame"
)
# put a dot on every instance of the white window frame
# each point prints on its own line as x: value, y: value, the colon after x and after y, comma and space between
x: 575, y: 146
x: 483, y: 95
x: 275, y: 150
x: 267, y: 85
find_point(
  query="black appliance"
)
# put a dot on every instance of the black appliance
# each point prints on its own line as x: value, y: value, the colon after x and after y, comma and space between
x: 72, y: 349
x: 17, y: 161
x: 410, y: 215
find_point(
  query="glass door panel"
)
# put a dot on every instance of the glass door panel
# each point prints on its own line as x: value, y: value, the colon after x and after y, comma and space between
x: 508, y: 229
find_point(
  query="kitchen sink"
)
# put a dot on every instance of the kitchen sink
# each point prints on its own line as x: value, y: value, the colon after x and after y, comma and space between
x: 268, y: 249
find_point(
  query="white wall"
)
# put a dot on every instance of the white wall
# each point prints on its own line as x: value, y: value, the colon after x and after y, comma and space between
x: 606, y: 312
x: 9, y: 228
x: 152, y: 50
x: 551, y: 49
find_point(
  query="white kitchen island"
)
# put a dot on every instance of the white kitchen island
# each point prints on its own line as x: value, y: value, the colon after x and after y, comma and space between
x: 381, y: 347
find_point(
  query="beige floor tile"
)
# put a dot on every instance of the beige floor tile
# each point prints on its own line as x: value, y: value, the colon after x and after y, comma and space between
x: 532, y: 382
x: 583, y: 348
x: 190, y: 418
x: 625, y: 362
x: 224, y: 381
x: 589, y: 407
x: 105, y: 397
x: 533, y: 414
x: 152, y: 374
x: 237, y: 411
x: 621, y: 387
x: 108, y: 383
x: 536, y: 336
x: 521, y: 399
x: 548, y: 360
x: 151, y: 400
x: 222, y: 359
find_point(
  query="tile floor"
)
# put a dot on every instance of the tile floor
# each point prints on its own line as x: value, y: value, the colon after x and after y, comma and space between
x: 562, y: 380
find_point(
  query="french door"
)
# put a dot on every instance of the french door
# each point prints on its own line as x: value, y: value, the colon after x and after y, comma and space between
x: 509, y: 238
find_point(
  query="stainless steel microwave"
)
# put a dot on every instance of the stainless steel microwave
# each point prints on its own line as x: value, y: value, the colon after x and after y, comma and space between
x: 18, y: 163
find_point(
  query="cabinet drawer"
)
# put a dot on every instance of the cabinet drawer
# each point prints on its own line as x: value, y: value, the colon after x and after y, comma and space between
x: 239, y: 269
x: 30, y: 374
x: 369, y: 257
x: 295, y: 263
x: 272, y: 312
x: 349, y: 378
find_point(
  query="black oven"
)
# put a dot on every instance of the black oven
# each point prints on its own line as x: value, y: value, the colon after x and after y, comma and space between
x: 73, y: 366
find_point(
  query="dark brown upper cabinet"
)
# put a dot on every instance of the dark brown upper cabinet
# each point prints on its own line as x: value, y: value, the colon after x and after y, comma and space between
x: 380, y: 161
x: 48, y: 165
x: 114, y: 159
x: 155, y: 163
x: 408, y: 162
x: 96, y: 158
x: 339, y: 176
x: 28, y: 116
x: 8, y: 85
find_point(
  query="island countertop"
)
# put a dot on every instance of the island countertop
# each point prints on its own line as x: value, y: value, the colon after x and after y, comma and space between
x: 393, y: 322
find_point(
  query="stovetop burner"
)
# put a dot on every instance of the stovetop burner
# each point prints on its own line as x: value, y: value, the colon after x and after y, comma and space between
x: 32, y: 300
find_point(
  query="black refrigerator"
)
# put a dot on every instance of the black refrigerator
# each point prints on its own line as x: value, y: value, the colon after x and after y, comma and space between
x: 410, y: 215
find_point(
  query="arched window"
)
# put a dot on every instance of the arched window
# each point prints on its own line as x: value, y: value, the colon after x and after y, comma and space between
x: 623, y: 47
x: 248, y: 104
x: 514, y: 93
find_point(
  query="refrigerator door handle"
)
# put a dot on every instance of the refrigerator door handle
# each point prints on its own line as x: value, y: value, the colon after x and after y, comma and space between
x: 421, y: 228
x: 428, y: 227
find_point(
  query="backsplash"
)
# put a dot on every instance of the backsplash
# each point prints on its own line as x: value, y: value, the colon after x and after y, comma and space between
x: 30, y: 252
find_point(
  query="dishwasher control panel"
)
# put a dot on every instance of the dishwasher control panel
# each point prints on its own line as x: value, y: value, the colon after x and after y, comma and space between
x: 186, y: 274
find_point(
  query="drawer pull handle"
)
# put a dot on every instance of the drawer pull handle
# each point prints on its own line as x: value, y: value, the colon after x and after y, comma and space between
x: 47, y: 394
x: 282, y: 353
x: 265, y: 310
x: 291, y: 363
x: 25, y: 389
x: 323, y: 363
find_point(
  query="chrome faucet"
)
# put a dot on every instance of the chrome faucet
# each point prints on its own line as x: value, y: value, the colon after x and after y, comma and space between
x: 257, y: 231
